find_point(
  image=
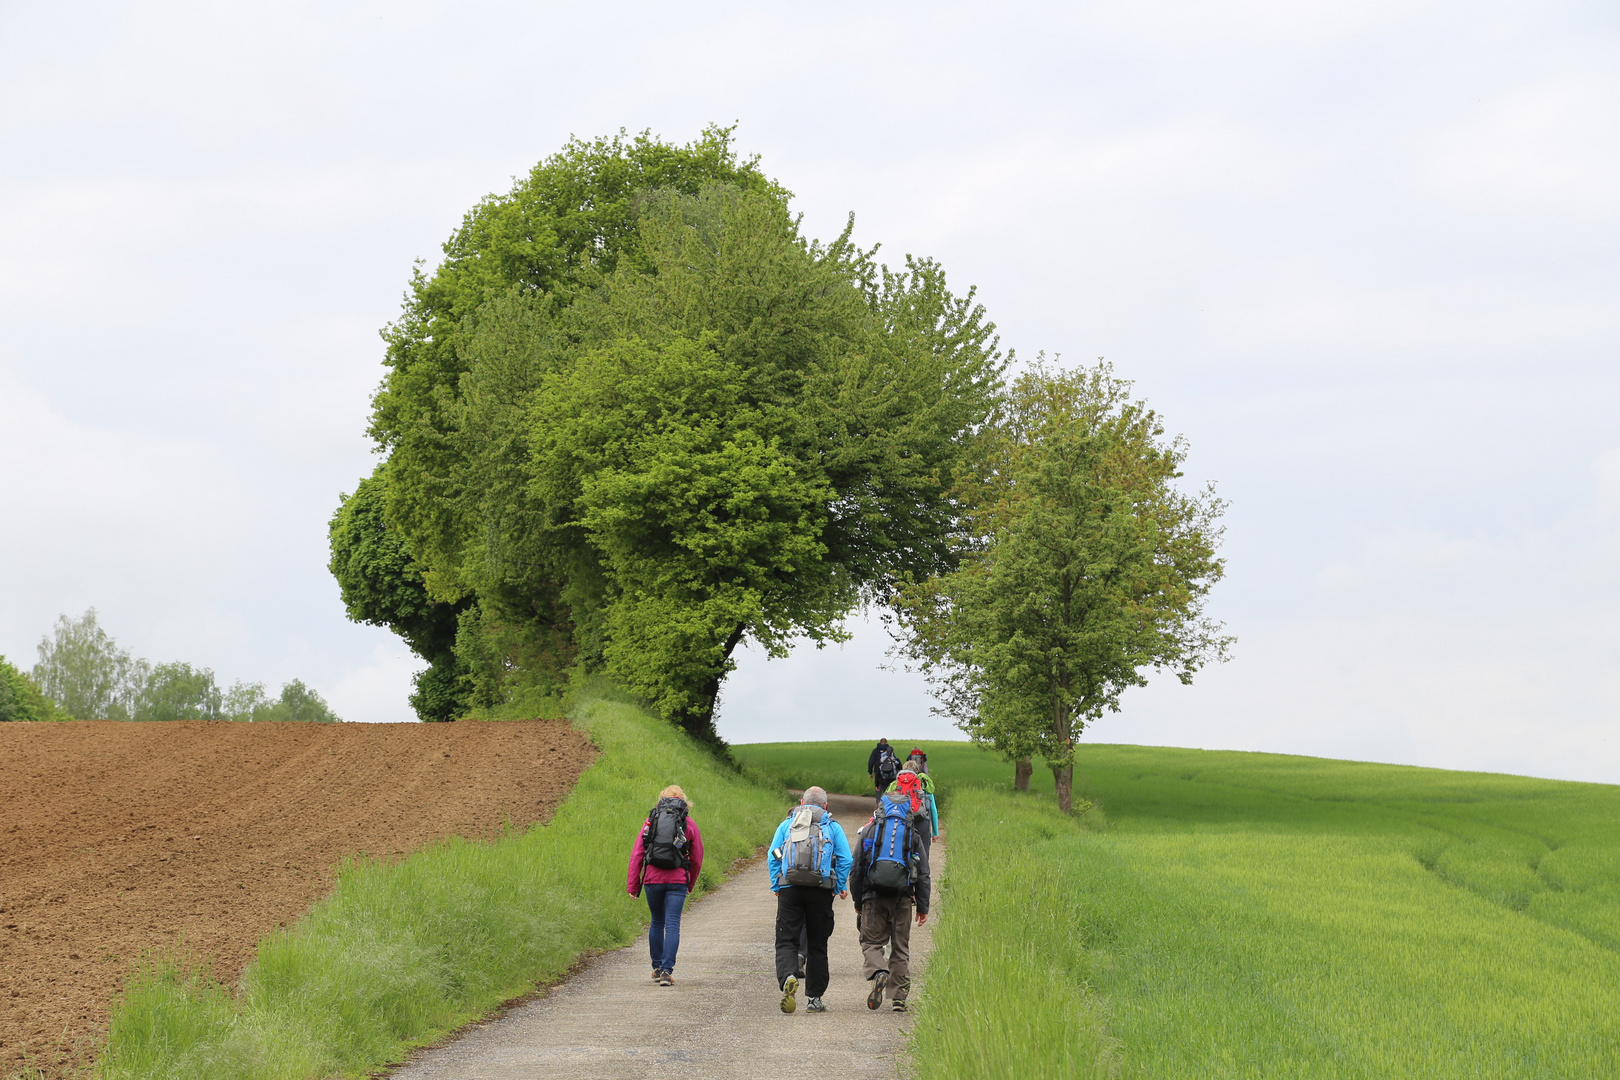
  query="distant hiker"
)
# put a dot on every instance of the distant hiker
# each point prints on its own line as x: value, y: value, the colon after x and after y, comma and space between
x: 918, y: 787
x: 920, y: 758
x: 883, y: 767
x: 809, y: 861
x: 891, y: 885
x: 665, y: 864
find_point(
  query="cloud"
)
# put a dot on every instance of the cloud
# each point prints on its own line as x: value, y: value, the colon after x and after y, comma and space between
x: 1361, y: 253
x: 1546, y: 151
x: 376, y: 690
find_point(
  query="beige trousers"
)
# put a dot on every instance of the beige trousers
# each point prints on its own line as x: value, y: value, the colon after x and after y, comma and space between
x: 886, y: 920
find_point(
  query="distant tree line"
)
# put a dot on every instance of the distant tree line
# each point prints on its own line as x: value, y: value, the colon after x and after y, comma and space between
x: 83, y: 674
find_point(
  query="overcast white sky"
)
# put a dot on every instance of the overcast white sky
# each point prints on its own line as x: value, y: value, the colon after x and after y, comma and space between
x: 1364, y: 255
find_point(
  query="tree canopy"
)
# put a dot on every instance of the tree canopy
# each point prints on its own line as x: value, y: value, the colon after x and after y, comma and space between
x: 699, y: 427
x: 1082, y: 566
x: 20, y: 699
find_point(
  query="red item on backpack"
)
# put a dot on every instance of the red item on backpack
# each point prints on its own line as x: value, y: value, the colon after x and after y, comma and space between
x: 911, y: 784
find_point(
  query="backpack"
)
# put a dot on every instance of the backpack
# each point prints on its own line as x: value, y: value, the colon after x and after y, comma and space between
x: 888, y: 767
x: 665, y: 840
x: 807, y: 856
x: 887, y: 848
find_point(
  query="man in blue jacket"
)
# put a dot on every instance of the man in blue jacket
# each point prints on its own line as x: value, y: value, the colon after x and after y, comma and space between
x: 809, y: 861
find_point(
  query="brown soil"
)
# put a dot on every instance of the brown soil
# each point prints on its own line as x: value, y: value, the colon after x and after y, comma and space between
x: 117, y: 839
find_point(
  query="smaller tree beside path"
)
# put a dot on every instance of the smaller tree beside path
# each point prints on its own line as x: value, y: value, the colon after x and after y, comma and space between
x: 1082, y: 565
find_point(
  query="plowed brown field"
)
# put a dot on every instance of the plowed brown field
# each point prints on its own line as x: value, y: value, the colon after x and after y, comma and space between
x: 118, y: 838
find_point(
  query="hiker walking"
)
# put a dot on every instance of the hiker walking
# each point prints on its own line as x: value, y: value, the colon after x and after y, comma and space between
x: 882, y: 766
x: 891, y: 886
x: 809, y: 861
x: 665, y: 864
x: 920, y: 758
x: 913, y: 782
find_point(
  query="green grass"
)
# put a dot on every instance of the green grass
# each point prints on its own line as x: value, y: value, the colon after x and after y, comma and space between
x: 401, y: 953
x: 1255, y: 915
x: 841, y: 766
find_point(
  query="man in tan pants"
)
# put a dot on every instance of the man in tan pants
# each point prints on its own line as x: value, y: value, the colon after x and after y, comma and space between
x: 890, y: 886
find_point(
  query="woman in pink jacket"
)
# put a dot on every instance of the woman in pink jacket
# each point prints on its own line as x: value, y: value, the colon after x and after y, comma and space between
x: 665, y: 864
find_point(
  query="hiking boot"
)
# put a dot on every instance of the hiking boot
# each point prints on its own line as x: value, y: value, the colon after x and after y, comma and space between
x: 897, y: 1005
x: 814, y: 1005
x: 789, y: 988
x: 658, y: 976
x: 666, y: 979
x: 879, y: 981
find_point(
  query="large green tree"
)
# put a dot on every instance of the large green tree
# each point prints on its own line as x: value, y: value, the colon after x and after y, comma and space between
x: 522, y: 250
x: 1083, y: 566
x: 709, y: 429
x: 381, y: 584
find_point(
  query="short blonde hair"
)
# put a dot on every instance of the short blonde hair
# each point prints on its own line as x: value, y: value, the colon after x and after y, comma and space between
x: 674, y: 792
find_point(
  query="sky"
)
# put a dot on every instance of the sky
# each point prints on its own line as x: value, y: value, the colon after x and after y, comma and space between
x: 1364, y: 256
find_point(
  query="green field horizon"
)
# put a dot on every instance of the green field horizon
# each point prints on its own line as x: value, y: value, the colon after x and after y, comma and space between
x: 1240, y: 914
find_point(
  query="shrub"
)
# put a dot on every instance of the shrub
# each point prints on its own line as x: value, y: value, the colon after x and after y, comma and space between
x: 20, y: 699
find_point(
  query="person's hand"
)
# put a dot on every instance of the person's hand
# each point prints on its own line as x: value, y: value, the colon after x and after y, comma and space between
x: 844, y: 895
x: 921, y: 918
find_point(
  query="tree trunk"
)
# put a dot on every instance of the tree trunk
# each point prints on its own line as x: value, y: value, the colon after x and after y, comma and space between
x: 698, y: 722
x: 1022, y: 769
x: 1063, y: 777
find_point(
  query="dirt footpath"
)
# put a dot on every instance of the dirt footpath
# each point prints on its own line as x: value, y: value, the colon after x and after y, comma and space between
x: 117, y: 838
x: 721, y: 1019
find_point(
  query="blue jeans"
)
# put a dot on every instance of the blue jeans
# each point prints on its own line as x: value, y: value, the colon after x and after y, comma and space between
x: 664, y: 938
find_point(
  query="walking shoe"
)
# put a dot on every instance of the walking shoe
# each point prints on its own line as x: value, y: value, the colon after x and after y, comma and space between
x: 666, y: 979
x: 879, y: 981
x: 814, y: 1005
x: 658, y: 976
x: 789, y: 988
x: 897, y: 1005
x: 801, y: 965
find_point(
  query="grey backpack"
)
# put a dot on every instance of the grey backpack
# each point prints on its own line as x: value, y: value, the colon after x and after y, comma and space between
x: 806, y: 856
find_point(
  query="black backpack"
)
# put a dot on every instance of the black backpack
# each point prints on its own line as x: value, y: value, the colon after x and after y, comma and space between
x: 664, y: 840
x: 888, y: 767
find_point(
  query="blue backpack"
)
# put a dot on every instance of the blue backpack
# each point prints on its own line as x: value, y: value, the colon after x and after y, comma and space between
x: 887, y: 848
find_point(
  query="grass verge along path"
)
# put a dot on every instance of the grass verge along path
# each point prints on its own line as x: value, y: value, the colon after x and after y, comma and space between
x: 1258, y: 915
x: 402, y: 952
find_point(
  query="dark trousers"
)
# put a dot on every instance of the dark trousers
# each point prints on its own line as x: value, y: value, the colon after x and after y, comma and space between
x: 807, y: 909
x: 664, y: 935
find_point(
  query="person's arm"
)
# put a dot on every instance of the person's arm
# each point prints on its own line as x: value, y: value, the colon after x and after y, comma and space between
x: 857, y: 873
x: 638, y: 863
x: 773, y: 858
x: 871, y: 760
x: 842, y: 862
x: 922, y: 890
x: 694, y: 854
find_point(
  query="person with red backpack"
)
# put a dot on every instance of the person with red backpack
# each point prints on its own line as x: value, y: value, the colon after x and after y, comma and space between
x: 665, y: 863
x: 919, y: 787
x: 890, y: 885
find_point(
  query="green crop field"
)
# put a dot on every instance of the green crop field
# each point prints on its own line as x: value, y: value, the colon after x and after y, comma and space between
x: 1256, y: 915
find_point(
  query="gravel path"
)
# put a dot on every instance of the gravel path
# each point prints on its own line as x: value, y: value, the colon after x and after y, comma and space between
x: 721, y: 1018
